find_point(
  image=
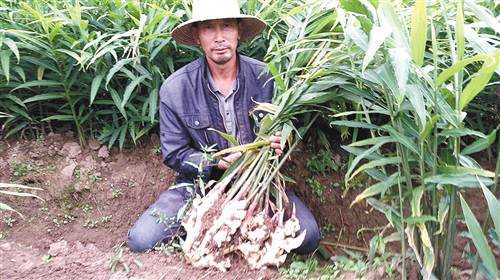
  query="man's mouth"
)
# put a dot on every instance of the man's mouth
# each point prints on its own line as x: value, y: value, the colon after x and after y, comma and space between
x: 220, y: 50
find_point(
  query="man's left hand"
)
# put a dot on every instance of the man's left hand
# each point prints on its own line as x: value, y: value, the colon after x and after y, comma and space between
x: 276, y: 143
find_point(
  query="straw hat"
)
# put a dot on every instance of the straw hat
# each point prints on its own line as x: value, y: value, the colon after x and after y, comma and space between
x: 217, y: 9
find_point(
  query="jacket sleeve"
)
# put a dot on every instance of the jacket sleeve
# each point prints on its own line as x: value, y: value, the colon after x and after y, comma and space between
x: 177, y: 146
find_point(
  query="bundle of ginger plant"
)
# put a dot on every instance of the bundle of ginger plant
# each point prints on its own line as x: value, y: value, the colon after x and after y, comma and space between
x: 247, y: 212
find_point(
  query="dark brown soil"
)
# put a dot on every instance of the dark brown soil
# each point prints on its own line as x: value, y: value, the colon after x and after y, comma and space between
x: 84, y: 218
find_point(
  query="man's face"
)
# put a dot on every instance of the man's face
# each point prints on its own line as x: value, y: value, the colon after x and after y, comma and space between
x: 218, y: 38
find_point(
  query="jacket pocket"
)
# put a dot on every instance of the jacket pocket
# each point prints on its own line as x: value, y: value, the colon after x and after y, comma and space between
x: 197, y: 126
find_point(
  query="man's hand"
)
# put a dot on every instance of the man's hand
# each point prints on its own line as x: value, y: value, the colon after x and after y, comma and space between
x: 276, y: 143
x: 225, y: 162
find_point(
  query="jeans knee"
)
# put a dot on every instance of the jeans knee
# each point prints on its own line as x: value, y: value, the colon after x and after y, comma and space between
x: 136, y: 242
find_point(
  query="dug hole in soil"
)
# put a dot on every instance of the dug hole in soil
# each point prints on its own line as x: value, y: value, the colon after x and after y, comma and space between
x: 92, y: 196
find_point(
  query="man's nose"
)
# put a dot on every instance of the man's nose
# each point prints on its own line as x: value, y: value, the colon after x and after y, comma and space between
x: 219, y: 35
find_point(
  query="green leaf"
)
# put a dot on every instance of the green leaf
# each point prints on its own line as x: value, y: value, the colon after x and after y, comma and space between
x: 459, y: 132
x: 378, y: 35
x: 373, y: 141
x: 58, y: 118
x: 443, y: 208
x: 481, y: 144
x: 459, y: 180
x: 494, y: 207
x: 117, y: 101
x: 96, y: 83
x: 402, y: 139
x: 459, y: 65
x: 355, y: 124
x: 479, y: 80
x: 15, y: 99
x: 465, y: 170
x: 130, y: 88
x: 13, y: 47
x: 429, y: 126
x: 373, y: 164
x: 459, y: 30
x: 377, y: 188
x: 229, y: 138
x: 153, y: 104
x: 480, y: 241
x: 123, y: 133
x: 117, y: 68
x: 43, y: 97
x: 420, y: 219
x: 41, y: 83
x: 5, y: 62
x: 16, y: 129
x: 418, y: 32
x: 4, y: 207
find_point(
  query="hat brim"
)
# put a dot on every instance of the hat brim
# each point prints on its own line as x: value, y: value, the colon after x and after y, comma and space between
x: 250, y: 27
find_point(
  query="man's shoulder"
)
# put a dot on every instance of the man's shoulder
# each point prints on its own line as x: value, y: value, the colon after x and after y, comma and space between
x: 178, y: 78
x: 184, y: 71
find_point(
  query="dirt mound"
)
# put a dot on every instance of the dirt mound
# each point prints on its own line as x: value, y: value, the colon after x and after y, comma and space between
x: 90, y: 202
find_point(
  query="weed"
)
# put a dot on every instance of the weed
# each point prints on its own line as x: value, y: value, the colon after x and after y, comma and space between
x: 322, y: 163
x: 131, y: 184
x: 309, y: 269
x: 116, y: 260
x: 95, y: 177
x: 46, y: 259
x: 9, y: 221
x: 317, y: 187
x: 327, y: 229
x: 116, y: 192
x: 77, y: 174
x: 156, y: 150
x: 86, y: 208
x: 93, y: 223
x: 21, y: 169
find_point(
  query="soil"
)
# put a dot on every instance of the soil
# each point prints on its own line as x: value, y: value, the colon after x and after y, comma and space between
x: 91, y: 199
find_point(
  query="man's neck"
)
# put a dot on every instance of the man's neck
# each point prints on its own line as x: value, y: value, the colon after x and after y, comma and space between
x: 223, y: 75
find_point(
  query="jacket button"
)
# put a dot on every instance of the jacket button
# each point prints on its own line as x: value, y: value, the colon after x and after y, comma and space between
x: 261, y: 115
x: 196, y: 123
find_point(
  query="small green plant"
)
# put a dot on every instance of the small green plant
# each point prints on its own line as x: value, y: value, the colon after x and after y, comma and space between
x: 322, y: 163
x: 116, y: 193
x: 115, y: 261
x: 87, y: 208
x: 9, y: 221
x: 299, y: 269
x: 327, y: 229
x: 95, y: 177
x: 93, y: 223
x: 317, y: 188
x: 46, y: 259
x: 156, y: 150
x: 21, y: 169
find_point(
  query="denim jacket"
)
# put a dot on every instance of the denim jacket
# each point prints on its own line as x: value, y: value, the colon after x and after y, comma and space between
x: 188, y: 110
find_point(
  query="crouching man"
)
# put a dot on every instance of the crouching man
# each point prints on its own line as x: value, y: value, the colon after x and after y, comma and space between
x: 215, y: 91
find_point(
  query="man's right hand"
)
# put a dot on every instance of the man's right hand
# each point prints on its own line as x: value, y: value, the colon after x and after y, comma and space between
x: 225, y: 162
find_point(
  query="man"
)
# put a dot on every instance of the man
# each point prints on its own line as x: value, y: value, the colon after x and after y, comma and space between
x: 216, y: 91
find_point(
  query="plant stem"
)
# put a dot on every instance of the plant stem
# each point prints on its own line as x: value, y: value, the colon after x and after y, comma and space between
x: 451, y: 232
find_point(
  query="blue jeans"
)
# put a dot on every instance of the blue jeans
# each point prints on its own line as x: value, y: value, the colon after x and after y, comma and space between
x: 158, y: 223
